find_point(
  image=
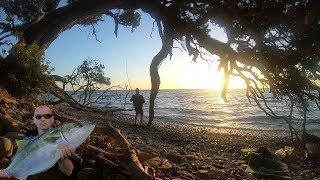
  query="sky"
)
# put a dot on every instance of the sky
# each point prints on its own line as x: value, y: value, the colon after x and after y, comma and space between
x: 127, y: 57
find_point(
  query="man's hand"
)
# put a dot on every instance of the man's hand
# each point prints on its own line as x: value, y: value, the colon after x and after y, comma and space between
x: 4, y: 173
x: 66, y: 152
x: 64, y: 163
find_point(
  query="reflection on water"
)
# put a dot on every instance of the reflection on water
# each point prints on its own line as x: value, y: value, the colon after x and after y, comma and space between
x: 207, y: 108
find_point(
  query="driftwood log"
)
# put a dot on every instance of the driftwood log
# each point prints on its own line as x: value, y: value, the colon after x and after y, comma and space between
x: 131, y: 161
x: 108, y: 155
x: 63, y: 96
x: 125, y: 153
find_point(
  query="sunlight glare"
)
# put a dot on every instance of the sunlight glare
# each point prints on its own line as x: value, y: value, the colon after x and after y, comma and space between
x: 182, y: 73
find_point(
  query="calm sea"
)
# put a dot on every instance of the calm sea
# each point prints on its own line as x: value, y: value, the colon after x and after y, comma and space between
x: 206, y: 108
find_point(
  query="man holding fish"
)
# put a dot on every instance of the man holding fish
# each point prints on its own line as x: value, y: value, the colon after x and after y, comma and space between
x: 50, y: 146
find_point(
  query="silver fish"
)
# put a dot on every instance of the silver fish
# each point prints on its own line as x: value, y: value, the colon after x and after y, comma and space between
x: 43, y: 152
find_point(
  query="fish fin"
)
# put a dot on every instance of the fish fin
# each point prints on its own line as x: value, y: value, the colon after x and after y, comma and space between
x: 22, y: 178
x: 20, y: 144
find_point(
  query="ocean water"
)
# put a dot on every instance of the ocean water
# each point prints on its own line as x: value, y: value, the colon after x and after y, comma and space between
x: 206, y: 108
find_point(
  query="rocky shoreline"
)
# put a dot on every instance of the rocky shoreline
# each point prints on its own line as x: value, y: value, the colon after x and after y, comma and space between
x: 198, y: 152
x: 169, y: 150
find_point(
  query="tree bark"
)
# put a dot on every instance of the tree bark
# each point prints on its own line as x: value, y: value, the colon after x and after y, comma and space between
x: 132, y: 164
x: 48, y: 28
x: 167, y: 43
x: 62, y: 95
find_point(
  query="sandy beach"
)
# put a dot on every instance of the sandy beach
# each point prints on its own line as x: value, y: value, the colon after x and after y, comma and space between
x: 199, y: 152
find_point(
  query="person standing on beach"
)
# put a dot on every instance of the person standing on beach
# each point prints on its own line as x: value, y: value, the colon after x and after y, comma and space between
x: 43, y: 118
x: 138, y: 101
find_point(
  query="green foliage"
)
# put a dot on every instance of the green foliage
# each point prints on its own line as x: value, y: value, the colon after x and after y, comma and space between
x: 25, y: 10
x: 88, y: 21
x: 88, y: 78
x: 91, y: 71
x: 125, y: 18
x: 130, y: 18
x: 26, y: 71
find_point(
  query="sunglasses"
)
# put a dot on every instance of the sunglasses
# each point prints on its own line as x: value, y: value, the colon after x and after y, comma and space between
x: 46, y: 116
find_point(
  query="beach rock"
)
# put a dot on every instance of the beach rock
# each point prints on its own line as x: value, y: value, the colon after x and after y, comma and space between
x: 165, y: 165
x: 313, y: 149
x: 202, y: 174
x: 14, y: 135
x: 6, y: 147
x: 186, y: 167
x: 1, y: 130
x: 191, y: 157
x: 5, y: 116
x: 9, y: 124
x: 9, y: 111
x: 218, y: 172
x: 2, y: 110
x: 28, y: 105
x: 182, y: 152
x: 305, y: 171
x: 6, y: 98
x: 144, y: 156
x: 17, y: 117
x: 4, y: 163
x: 27, y: 116
x: 175, y: 157
x: 186, y: 175
x: 29, y: 122
x: 89, y: 174
x: 153, y: 162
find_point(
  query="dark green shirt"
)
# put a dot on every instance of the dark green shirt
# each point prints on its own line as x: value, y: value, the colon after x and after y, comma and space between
x: 138, y: 101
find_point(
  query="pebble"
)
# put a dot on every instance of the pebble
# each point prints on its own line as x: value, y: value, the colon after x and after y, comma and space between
x: 14, y: 136
x: 6, y: 147
x: 192, y: 157
x: 4, y: 162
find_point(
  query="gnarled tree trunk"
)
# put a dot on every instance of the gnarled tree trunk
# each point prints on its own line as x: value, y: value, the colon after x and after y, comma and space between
x: 166, y: 49
x: 155, y: 78
x: 49, y: 27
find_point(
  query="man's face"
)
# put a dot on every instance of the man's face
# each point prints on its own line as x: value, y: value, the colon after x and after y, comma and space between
x: 43, y: 118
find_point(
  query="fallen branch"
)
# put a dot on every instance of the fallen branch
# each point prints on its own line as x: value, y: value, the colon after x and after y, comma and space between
x: 108, y: 155
x: 131, y: 163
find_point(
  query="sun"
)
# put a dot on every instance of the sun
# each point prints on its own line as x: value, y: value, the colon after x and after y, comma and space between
x: 236, y: 83
x: 182, y: 74
x: 202, y: 77
x: 211, y: 78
